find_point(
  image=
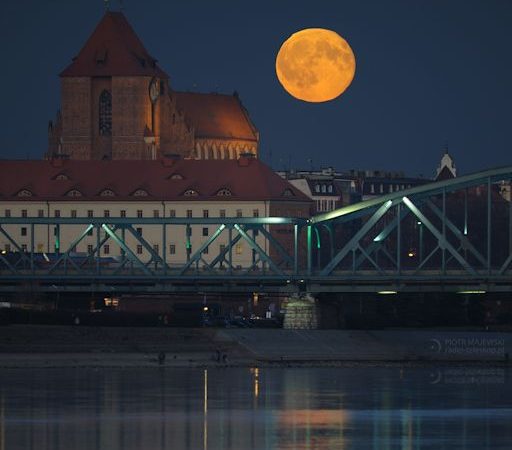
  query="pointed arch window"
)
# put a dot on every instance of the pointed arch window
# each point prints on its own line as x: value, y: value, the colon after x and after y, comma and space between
x: 105, y: 124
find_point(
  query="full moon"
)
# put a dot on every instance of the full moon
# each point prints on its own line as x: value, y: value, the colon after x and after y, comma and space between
x: 315, y: 65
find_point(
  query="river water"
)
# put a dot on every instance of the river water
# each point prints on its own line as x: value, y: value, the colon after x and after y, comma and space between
x: 267, y: 408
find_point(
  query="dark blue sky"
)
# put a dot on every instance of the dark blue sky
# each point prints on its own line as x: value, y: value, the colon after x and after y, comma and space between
x: 428, y: 72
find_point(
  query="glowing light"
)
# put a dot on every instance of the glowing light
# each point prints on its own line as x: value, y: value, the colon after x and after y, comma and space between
x: 205, y: 308
x: 3, y: 252
x: 471, y: 292
x: 315, y: 65
x: 411, y: 254
x: 387, y: 292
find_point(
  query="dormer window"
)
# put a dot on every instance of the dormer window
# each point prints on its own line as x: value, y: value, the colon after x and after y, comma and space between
x: 224, y: 192
x: 140, y: 193
x: 107, y: 193
x: 329, y: 188
x: 176, y: 176
x: 190, y: 193
x: 74, y: 193
x: 61, y: 177
x: 24, y: 193
x: 323, y: 188
x: 288, y: 193
x: 317, y: 188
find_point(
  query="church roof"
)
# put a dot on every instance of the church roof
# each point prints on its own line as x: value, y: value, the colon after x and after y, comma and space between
x: 246, y: 179
x: 444, y: 174
x: 113, y: 49
x: 217, y: 115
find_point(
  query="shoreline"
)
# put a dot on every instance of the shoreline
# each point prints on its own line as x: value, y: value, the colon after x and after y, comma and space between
x: 31, y: 346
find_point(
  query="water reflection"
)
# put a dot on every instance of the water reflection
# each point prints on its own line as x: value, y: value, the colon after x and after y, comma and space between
x: 331, y: 408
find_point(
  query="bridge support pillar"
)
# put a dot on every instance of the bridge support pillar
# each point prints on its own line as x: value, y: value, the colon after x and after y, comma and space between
x: 301, y: 312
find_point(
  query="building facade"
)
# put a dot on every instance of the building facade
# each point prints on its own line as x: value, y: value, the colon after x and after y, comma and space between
x: 166, y: 188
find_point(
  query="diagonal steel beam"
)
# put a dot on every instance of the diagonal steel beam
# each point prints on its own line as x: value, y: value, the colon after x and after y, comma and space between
x: 258, y: 249
x: 154, y: 255
x: 127, y: 250
x: 453, y: 228
x: 23, y: 257
x: 198, y: 254
x: 71, y: 246
x: 352, y: 244
x: 443, y: 243
x: 276, y: 244
x: 221, y: 257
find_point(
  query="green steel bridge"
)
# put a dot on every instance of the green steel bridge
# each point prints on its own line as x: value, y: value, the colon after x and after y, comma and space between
x: 450, y: 236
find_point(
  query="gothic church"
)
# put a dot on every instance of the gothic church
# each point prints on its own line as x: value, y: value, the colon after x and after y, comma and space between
x: 117, y: 104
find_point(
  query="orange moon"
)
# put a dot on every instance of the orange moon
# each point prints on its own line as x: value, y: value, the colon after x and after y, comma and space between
x: 315, y: 65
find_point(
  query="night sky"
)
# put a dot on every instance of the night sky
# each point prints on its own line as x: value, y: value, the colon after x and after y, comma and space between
x: 428, y: 73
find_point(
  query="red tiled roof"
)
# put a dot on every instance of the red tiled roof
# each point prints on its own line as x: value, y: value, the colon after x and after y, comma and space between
x: 254, y: 181
x: 217, y: 115
x: 113, y: 49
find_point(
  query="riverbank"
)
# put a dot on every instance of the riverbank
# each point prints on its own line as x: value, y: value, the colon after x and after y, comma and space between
x: 77, y: 346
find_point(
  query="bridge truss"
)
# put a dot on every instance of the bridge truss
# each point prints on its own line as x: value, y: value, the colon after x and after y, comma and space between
x: 453, y: 235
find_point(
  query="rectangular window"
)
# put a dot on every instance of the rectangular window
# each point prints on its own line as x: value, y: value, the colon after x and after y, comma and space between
x: 106, y: 213
x: 156, y: 213
x: 205, y: 213
x: 139, y: 249
x: 7, y: 213
x: 90, y: 249
x: 23, y: 231
x: 139, y: 213
x: 24, y: 248
x: 40, y: 213
x: 40, y: 248
x: 90, y: 213
x: 73, y: 213
x: 139, y: 231
x: 255, y: 212
x: 189, y: 213
x: 172, y: 249
x: 239, y: 249
x: 123, y: 213
x: 57, y: 213
x: 23, y: 213
x: 205, y: 231
x: 106, y: 249
x: 156, y: 248
x: 205, y: 251
x: 239, y: 213
x: 222, y: 213
x: 172, y: 213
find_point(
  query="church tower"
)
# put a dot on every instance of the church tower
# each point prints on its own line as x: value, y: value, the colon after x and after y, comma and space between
x: 115, y: 98
x: 117, y: 103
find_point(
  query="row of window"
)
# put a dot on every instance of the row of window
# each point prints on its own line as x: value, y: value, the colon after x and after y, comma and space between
x: 323, y: 188
x: 138, y: 193
x: 391, y: 187
x: 325, y: 205
x: 139, y: 249
x: 140, y: 213
x: 205, y: 231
